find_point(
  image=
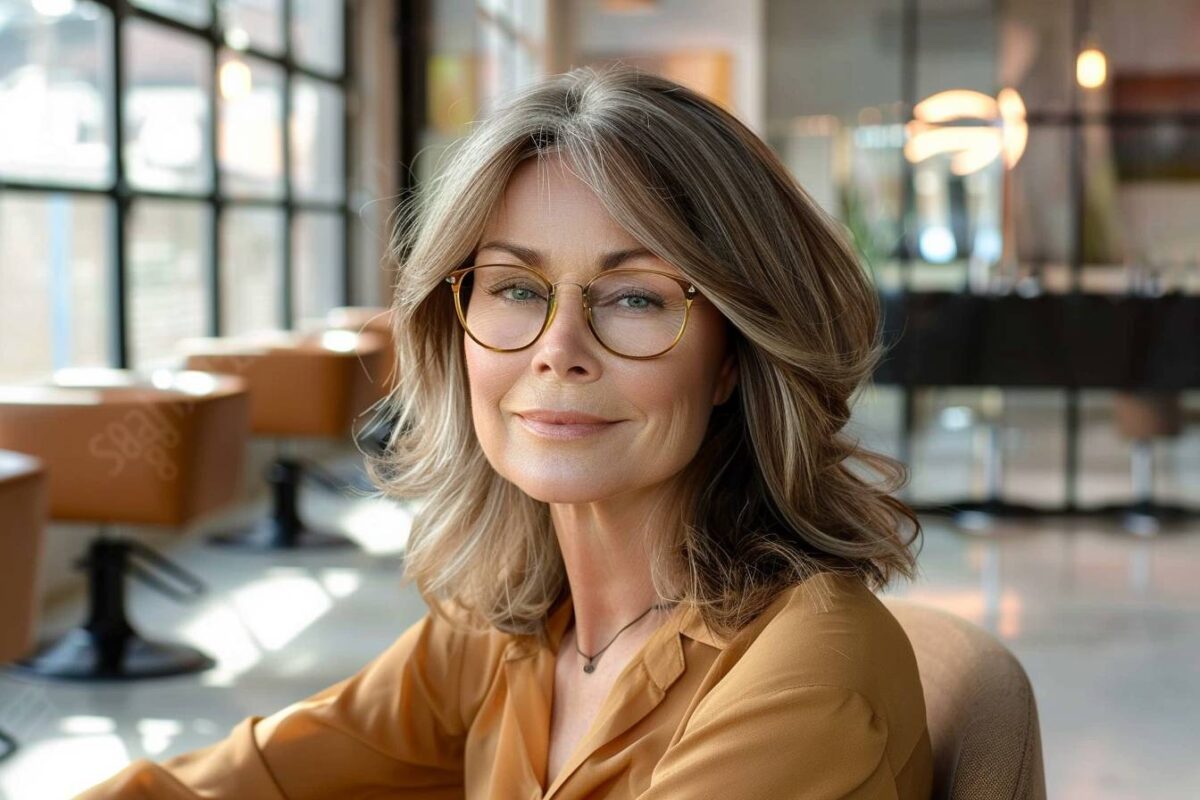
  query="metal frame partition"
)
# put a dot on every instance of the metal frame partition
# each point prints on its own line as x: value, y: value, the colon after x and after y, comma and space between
x: 1071, y: 382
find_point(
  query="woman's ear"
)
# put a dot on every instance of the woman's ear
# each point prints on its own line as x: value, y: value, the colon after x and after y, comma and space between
x: 727, y: 378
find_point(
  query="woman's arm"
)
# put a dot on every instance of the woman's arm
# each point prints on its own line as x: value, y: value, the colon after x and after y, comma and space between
x: 797, y: 743
x: 400, y: 723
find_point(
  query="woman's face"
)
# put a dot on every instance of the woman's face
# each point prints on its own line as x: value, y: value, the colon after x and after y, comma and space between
x: 655, y: 411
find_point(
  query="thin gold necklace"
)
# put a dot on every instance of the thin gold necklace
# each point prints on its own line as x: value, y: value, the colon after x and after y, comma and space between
x: 590, y: 666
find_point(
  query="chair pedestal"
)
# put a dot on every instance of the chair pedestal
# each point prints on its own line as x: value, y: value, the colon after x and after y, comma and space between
x: 330, y: 366
x: 1146, y: 516
x: 106, y: 646
x: 981, y: 515
x: 284, y: 529
x: 8, y: 745
x: 1142, y: 418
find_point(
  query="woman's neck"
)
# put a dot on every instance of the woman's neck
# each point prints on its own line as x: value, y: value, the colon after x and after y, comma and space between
x: 606, y: 552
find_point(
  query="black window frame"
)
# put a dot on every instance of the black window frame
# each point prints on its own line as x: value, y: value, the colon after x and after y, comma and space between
x: 123, y: 195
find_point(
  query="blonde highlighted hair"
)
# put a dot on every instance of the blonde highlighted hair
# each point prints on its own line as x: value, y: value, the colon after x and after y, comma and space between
x: 777, y: 490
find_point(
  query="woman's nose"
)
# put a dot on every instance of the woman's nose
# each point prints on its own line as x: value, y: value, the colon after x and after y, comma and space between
x: 569, y: 309
x: 567, y: 347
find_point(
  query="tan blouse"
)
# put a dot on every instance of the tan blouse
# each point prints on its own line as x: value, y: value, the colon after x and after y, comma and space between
x: 819, y: 697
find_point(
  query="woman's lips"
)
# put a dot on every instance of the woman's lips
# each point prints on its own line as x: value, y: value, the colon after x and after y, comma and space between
x: 565, y: 431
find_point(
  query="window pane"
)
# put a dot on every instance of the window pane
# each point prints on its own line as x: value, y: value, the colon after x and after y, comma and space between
x: 166, y: 108
x: 1035, y: 52
x: 1142, y: 203
x: 54, y: 267
x: 969, y: 233
x: 258, y: 23
x: 251, y: 127
x: 55, y: 81
x: 168, y: 254
x: 251, y: 269
x: 318, y: 265
x: 847, y: 50
x: 316, y: 125
x: 956, y: 46
x: 1042, y: 213
x: 948, y: 443
x: 529, y: 17
x: 317, y: 34
x: 1153, y: 61
x: 193, y: 12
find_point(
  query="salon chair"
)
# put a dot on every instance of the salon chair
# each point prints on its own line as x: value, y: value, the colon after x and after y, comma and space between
x: 22, y: 524
x: 124, y: 448
x: 979, y: 705
x: 302, y: 385
x: 373, y: 320
x: 1142, y: 418
x: 373, y: 430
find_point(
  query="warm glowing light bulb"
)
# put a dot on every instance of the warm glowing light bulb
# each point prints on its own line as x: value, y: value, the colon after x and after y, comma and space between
x: 236, y: 81
x: 1015, y: 128
x: 1091, y: 68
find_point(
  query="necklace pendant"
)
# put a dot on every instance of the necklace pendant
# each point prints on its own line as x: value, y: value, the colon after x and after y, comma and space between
x: 589, y: 667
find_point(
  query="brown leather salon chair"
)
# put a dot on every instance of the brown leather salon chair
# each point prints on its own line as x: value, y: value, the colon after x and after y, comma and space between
x: 375, y: 320
x: 120, y: 447
x: 23, y: 505
x: 302, y: 385
x: 979, y: 705
x: 374, y: 430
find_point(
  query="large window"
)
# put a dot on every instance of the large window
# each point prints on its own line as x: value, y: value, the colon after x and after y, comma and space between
x: 168, y: 168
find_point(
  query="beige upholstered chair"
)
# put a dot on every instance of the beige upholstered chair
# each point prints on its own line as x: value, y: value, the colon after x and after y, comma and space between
x: 126, y: 448
x: 302, y: 384
x: 983, y: 721
x: 23, y: 507
x: 374, y: 430
x: 1142, y: 417
x: 369, y: 319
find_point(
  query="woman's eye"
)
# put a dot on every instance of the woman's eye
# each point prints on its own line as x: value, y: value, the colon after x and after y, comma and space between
x: 639, y: 302
x: 515, y: 292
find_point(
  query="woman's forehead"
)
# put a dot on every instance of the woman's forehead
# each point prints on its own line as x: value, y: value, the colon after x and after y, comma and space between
x: 539, y: 200
x: 548, y: 218
x: 590, y: 262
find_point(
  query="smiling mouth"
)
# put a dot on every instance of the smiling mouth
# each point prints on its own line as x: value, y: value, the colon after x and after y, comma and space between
x: 565, y: 431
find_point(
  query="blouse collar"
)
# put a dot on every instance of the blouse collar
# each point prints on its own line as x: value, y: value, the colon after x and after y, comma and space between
x: 663, y: 651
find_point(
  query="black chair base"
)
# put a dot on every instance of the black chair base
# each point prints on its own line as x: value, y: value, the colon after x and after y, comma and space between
x: 283, y: 529
x: 80, y: 655
x: 270, y: 534
x: 981, y: 514
x: 107, y: 647
x: 1146, y: 517
x: 8, y: 745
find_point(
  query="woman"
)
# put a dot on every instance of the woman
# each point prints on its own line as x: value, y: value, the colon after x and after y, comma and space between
x: 629, y: 345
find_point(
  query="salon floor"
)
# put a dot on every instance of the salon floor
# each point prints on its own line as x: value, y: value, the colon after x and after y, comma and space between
x: 1106, y: 623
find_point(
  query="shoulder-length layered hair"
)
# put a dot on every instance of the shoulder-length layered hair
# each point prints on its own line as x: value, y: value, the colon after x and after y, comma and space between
x: 777, y: 491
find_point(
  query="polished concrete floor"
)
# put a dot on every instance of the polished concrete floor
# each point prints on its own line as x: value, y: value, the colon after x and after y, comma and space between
x: 1106, y: 623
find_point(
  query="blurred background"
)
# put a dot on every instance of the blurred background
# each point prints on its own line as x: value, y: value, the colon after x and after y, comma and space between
x: 200, y: 187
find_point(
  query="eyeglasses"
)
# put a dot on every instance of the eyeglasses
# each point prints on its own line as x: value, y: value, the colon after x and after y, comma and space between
x: 634, y: 313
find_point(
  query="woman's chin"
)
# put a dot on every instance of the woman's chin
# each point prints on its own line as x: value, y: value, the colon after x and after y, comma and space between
x: 563, y: 490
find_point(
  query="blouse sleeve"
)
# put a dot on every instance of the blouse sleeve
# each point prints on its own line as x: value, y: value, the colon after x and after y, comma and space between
x: 796, y: 743
x: 397, y: 727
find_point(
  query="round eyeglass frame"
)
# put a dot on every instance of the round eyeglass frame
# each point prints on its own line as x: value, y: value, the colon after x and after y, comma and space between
x: 455, y: 279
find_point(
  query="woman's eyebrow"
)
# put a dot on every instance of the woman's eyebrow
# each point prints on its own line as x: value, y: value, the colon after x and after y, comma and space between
x: 535, y: 259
